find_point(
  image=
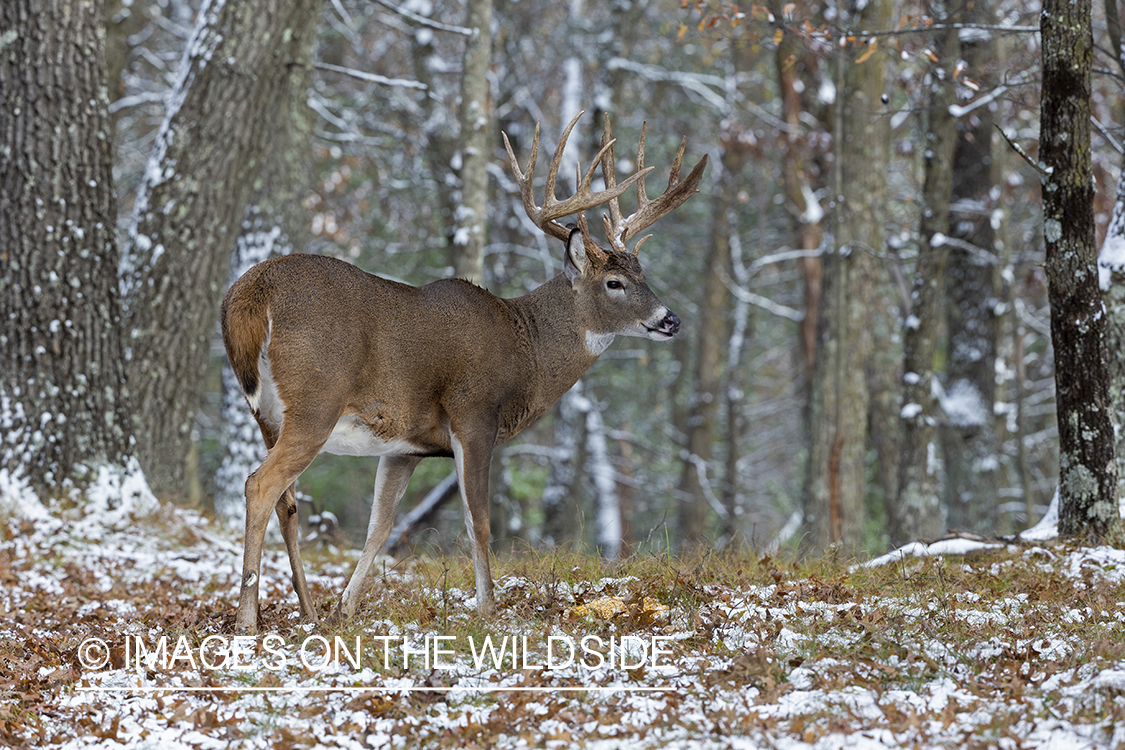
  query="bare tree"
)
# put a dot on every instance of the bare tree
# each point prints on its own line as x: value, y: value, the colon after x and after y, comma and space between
x: 835, y: 479
x: 236, y: 81
x: 63, y: 402
x: 1088, y: 473
x: 475, y: 117
x: 916, y: 511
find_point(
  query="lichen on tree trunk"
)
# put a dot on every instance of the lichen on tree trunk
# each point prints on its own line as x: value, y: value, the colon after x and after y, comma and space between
x: 1088, y: 473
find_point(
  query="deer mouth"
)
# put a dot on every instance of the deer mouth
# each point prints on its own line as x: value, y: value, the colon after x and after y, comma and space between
x: 667, y: 326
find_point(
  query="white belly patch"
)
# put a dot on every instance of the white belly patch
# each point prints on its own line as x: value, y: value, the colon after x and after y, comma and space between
x: 352, y: 437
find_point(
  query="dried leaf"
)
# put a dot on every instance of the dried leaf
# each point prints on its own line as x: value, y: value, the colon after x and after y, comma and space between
x: 871, y: 47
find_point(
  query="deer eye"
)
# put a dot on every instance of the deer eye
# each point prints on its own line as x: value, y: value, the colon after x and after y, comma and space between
x: 614, y: 284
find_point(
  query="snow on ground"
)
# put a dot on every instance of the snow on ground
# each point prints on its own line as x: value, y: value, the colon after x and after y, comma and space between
x: 1013, y: 646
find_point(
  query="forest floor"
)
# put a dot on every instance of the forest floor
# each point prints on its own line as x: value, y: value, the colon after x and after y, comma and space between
x: 1019, y: 645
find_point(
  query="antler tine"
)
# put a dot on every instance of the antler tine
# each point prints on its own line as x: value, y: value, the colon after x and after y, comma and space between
x: 642, y: 196
x: 525, y: 179
x: 583, y: 198
x: 553, y: 170
x: 648, y: 211
x: 609, y: 172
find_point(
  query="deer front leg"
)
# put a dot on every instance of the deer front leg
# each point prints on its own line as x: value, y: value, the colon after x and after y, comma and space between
x: 390, y: 484
x: 473, y: 458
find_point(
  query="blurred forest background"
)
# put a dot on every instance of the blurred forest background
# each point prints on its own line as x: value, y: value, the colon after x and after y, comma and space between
x: 796, y: 306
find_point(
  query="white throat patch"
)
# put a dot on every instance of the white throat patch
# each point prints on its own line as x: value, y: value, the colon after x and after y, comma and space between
x: 596, y: 343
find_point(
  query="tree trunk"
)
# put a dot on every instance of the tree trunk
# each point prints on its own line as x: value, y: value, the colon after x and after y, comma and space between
x: 1111, y: 268
x: 702, y: 421
x: 63, y: 402
x: 733, y: 393
x: 971, y: 447
x: 804, y: 217
x: 475, y: 118
x: 235, y: 82
x: 561, y: 510
x: 834, y: 481
x: 275, y: 224
x: 1088, y: 473
x: 915, y: 512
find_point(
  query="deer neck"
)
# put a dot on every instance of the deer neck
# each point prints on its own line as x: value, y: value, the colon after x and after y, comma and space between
x: 562, y: 345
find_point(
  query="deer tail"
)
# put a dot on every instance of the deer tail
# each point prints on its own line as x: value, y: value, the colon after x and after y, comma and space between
x: 246, y: 327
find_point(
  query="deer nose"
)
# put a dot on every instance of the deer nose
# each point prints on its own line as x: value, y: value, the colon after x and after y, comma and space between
x: 671, y: 322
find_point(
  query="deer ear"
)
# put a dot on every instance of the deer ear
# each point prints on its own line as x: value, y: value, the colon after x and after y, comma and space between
x: 574, y: 265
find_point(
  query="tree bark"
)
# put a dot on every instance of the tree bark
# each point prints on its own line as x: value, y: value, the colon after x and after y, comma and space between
x: 702, y: 420
x: 235, y: 82
x: 561, y: 510
x: 1111, y: 269
x: 915, y: 512
x: 276, y: 223
x: 1088, y: 473
x: 969, y: 436
x: 63, y: 401
x: 835, y: 478
x: 475, y: 118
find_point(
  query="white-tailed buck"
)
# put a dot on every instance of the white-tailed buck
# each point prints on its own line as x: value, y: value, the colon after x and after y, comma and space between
x: 334, y: 359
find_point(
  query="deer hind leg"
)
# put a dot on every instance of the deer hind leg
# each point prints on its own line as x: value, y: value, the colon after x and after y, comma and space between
x: 286, y: 509
x: 473, y: 459
x: 390, y: 484
x: 268, y: 488
x: 287, y: 517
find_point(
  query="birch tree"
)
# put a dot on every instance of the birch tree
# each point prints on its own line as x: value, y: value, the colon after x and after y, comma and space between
x: 475, y: 117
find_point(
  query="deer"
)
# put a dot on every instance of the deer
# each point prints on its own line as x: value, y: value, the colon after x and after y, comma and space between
x: 333, y: 359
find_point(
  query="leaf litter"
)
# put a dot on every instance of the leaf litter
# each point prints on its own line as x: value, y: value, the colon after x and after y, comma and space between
x: 1011, y: 646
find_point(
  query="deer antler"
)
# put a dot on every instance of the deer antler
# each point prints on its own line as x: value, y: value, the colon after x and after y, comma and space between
x: 583, y: 198
x: 617, y: 228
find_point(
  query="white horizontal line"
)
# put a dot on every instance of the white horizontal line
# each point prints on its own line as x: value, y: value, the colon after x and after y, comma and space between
x: 375, y: 689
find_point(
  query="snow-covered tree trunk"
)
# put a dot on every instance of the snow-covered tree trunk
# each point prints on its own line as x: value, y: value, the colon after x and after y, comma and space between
x: 1088, y: 474
x: 605, y: 484
x: 1111, y: 268
x: 64, y: 408
x: 733, y: 392
x: 835, y: 478
x: 969, y: 438
x: 235, y: 82
x: 475, y: 118
x: 915, y: 512
x: 560, y: 506
x: 276, y: 223
x: 805, y: 213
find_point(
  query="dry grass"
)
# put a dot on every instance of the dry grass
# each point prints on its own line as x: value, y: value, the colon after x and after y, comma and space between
x: 1000, y: 647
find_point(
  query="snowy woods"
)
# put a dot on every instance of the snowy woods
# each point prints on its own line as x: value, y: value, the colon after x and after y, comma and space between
x: 895, y: 320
